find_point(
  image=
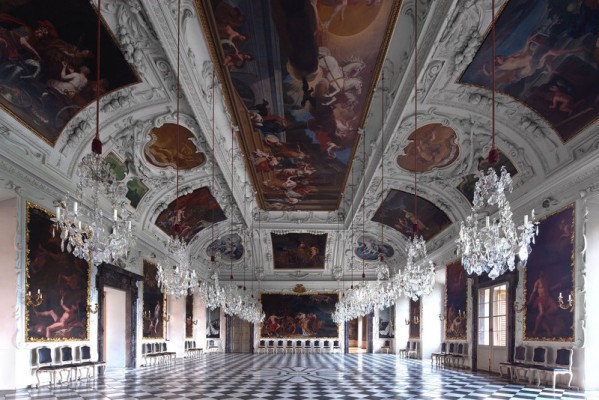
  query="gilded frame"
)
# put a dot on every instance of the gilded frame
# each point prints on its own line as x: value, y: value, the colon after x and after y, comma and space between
x: 415, y: 311
x: 153, y: 304
x: 264, y: 327
x: 56, y: 274
x: 538, y: 265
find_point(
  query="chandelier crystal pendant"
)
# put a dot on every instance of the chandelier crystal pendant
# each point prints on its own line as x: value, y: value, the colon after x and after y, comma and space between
x: 497, y: 245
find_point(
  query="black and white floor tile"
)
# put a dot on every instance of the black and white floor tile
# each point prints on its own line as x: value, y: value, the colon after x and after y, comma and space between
x: 293, y: 377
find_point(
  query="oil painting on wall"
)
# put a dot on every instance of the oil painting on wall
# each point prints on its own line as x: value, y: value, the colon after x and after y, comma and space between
x: 189, y: 322
x: 414, y: 322
x: 547, y: 56
x: 300, y: 78
x: 298, y: 250
x: 197, y: 211
x: 387, y: 322
x: 398, y: 213
x: 456, y: 292
x: 154, y: 304
x: 299, y: 315
x: 61, y: 279
x: 213, y: 323
x: 48, y: 62
x: 549, y: 272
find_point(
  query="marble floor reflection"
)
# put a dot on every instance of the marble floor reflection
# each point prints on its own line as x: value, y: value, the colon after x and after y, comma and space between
x: 295, y: 376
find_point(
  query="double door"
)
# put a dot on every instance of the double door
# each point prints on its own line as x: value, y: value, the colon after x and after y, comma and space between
x: 492, y: 327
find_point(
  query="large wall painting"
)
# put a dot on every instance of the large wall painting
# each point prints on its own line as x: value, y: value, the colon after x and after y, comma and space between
x: 299, y: 77
x: 397, y: 212
x: 468, y: 183
x: 299, y: 315
x: 549, y: 272
x: 387, y: 323
x: 298, y: 250
x: 197, y: 211
x: 213, y: 323
x: 48, y: 62
x: 431, y: 146
x: 154, y: 304
x: 456, y: 301
x: 189, y: 321
x: 546, y: 57
x: 61, y: 279
x: 415, y: 318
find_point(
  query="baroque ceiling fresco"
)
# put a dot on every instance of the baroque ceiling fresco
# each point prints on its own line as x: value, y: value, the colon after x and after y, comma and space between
x: 303, y: 72
x: 299, y: 142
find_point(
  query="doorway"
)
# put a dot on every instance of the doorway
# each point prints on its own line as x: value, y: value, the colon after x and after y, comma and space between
x: 358, y: 337
x: 115, y: 332
x: 240, y: 335
x: 492, y: 327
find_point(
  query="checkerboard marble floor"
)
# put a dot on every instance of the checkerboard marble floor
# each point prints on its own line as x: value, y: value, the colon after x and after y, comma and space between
x: 295, y: 376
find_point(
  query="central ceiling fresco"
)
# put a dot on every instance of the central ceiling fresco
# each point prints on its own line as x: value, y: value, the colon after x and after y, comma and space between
x: 299, y: 78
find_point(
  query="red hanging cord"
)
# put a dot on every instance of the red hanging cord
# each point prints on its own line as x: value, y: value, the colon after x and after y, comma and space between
x: 415, y: 223
x: 381, y: 252
x: 96, y: 143
x: 177, y: 225
x: 212, y: 257
x: 232, y: 198
x: 363, y: 201
x: 493, y: 154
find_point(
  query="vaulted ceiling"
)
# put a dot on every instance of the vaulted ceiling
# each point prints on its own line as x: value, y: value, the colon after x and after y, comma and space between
x: 300, y: 139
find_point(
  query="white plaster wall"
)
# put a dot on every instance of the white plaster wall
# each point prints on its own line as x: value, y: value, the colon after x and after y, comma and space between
x: 115, y: 328
x: 8, y: 284
x: 431, y: 328
x: 591, y: 341
x: 199, y: 330
x: 402, y: 331
x: 175, y: 327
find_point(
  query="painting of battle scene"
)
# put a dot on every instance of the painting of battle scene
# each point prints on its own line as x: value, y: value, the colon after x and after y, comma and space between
x: 397, y: 212
x: 154, y: 304
x: 468, y: 183
x: 48, y: 62
x: 61, y: 279
x: 298, y: 250
x: 300, y: 107
x: 387, y: 323
x: 549, y: 272
x: 430, y: 146
x: 299, y: 315
x: 369, y: 249
x: 547, y: 56
x: 456, y: 292
x: 196, y: 211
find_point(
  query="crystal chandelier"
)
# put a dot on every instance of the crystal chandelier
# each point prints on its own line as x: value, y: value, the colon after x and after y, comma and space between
x: 181, y: 278
x: 68, y: 222
x: 493, y: 247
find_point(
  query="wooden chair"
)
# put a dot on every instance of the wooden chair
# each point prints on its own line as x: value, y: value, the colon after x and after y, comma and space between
x: 308, y: 345
x: 326, y: 346
x: 45, y: 364
x: 513, y: 366
x: 561, y: 366
x: 439, y: 358
x: 86, y: 362
x: 336, y: 346
x: 404, y: 351
x: 261, y: 347
x: 413, y: 351
x: 386, y: 346
x: 270, y: 345
x: 280, y: 346
x: 299, y: 346
x: 317, y: 348
x: 289, y: 346
x: 539, y: 359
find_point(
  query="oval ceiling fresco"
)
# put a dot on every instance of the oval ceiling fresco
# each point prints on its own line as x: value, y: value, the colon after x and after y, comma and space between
x: 431, y: 146
x: 172, y: 146
x: 369, y: 249
x: 228, y: 248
